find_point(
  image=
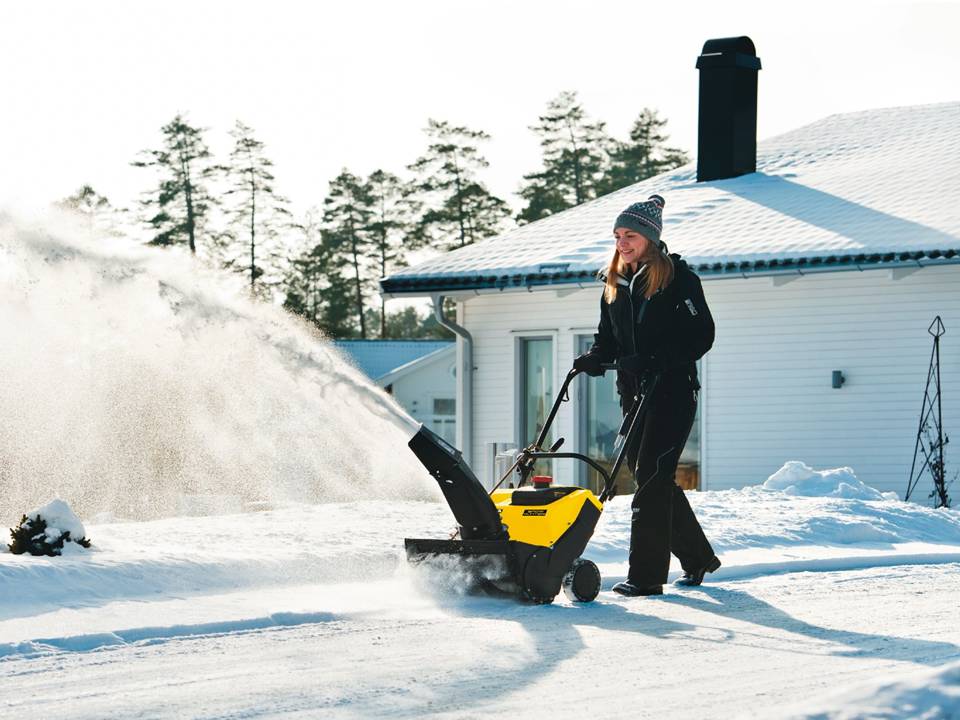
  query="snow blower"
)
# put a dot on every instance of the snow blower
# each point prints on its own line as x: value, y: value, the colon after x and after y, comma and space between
x: 524, y: 542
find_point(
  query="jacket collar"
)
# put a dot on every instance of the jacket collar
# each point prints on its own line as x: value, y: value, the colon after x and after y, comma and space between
x: 621, y: 281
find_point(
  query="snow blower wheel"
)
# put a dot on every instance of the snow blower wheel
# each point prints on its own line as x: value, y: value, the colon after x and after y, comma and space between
x: 582, y: 581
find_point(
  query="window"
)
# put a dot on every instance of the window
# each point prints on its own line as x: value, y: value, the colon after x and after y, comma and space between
x: 536, y: 393
x: 444, y: 406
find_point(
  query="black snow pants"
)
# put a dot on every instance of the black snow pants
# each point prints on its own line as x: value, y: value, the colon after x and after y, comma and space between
x: 663, y: 521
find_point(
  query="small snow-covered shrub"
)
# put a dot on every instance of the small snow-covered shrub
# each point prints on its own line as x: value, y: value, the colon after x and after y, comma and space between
x: 44, y: 531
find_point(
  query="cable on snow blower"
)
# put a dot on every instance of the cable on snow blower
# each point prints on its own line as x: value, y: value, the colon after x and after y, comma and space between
x: 525, y: 542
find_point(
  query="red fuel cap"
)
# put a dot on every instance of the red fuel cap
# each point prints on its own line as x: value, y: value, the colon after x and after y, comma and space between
x: 542, y: 481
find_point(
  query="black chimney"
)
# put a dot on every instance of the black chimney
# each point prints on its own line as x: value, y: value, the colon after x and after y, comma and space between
x: 727, y: 145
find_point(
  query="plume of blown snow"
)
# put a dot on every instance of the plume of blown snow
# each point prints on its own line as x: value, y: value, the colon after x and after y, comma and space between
x: 138, y: 383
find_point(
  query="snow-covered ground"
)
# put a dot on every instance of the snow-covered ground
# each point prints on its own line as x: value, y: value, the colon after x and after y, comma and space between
x: 827, y: 606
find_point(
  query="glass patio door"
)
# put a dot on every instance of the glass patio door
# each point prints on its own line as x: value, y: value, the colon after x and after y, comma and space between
x: 599, y: 419
x: 536, y: 393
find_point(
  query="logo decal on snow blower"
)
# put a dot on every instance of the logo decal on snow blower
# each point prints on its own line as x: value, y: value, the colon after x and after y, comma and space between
x: 690, y: 307
x: 537, y: 513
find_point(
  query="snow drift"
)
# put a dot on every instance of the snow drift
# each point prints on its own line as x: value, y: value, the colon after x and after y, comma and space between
x: 926, y: 693
x: 797, y: 478
x: 138, y: 383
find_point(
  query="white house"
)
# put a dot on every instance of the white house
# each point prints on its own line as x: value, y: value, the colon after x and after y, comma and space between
x: 836, y: 254
x: 420, y: 374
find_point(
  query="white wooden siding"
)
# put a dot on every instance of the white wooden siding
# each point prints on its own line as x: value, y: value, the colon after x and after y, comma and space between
x: 768, y: 375
x: 767, y: 381
x: 432, y: 380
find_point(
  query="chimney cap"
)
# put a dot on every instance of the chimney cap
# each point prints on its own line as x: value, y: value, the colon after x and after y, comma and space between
x: 729, y: 52
x: 741, y: 44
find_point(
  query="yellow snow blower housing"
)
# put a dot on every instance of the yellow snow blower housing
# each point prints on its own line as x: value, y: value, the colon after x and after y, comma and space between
x: 525, y: 541
x: 541, y: 516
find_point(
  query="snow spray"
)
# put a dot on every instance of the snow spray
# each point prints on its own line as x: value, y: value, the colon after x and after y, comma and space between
x: 138, y: 383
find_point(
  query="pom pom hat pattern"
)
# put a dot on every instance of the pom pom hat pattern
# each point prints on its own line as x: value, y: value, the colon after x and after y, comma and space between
x: 644, y: 217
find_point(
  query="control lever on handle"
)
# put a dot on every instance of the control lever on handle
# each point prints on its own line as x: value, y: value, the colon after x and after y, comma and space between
x: 556, y: 445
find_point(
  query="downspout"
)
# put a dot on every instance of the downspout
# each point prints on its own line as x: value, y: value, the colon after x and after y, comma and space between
x: 464, y: 378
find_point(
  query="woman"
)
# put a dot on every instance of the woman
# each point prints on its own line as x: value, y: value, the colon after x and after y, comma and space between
x: 654, y: 320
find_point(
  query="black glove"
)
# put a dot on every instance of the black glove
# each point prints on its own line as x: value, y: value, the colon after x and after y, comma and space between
x: 638, y: 365
x: 588, y: 363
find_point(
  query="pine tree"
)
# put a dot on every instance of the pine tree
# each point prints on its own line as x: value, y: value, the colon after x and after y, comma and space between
x: 317, y: 287
x: 575, y: 158
x: 95, y: 210
x: 408, y: 322
x: 178, y: 209
x: 332, y: 290
x: 347, y: 217
x: 459, y: 206
x: 257, y: 218
x: 302, y: 280
x: 644, y: 155
x: 543, y: 198
x: 392, y: 210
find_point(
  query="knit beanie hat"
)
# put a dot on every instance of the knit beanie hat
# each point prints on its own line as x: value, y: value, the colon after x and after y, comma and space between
x: 644, y: 217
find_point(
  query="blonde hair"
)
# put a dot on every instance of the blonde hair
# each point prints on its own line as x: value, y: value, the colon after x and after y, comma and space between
x: 657, y: 274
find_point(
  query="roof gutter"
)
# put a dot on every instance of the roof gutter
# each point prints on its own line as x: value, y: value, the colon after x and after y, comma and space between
x: 464, y: 379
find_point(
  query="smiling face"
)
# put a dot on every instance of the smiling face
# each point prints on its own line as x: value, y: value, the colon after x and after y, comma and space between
x: 632, y: 246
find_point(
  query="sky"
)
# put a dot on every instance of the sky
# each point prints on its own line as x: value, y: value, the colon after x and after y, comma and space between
x: 326, y: 86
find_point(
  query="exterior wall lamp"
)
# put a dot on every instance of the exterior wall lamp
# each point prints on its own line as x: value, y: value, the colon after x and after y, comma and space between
x: 837, y: 380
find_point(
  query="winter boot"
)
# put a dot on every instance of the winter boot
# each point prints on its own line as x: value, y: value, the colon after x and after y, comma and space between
x: 630, y: 590
x: 692, y: 578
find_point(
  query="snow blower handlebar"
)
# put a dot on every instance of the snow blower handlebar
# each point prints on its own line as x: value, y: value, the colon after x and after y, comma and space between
x: 630, y: 426
x: 628, y: 430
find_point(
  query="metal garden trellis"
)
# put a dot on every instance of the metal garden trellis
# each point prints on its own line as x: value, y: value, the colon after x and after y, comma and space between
x: 930, y: 437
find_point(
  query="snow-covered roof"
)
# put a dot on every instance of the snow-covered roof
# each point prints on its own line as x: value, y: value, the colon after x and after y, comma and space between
x: 445, y: 353
x: 377, y: 358
x: 857, y: 189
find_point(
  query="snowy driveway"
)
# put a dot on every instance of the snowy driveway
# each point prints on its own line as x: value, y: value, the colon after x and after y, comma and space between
x: 156, y: 623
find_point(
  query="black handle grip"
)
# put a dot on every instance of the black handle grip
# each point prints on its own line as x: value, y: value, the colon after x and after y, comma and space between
x: 603, y: 366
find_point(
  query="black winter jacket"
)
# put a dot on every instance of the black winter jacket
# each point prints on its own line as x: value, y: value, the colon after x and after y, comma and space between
x: 674, y: 328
